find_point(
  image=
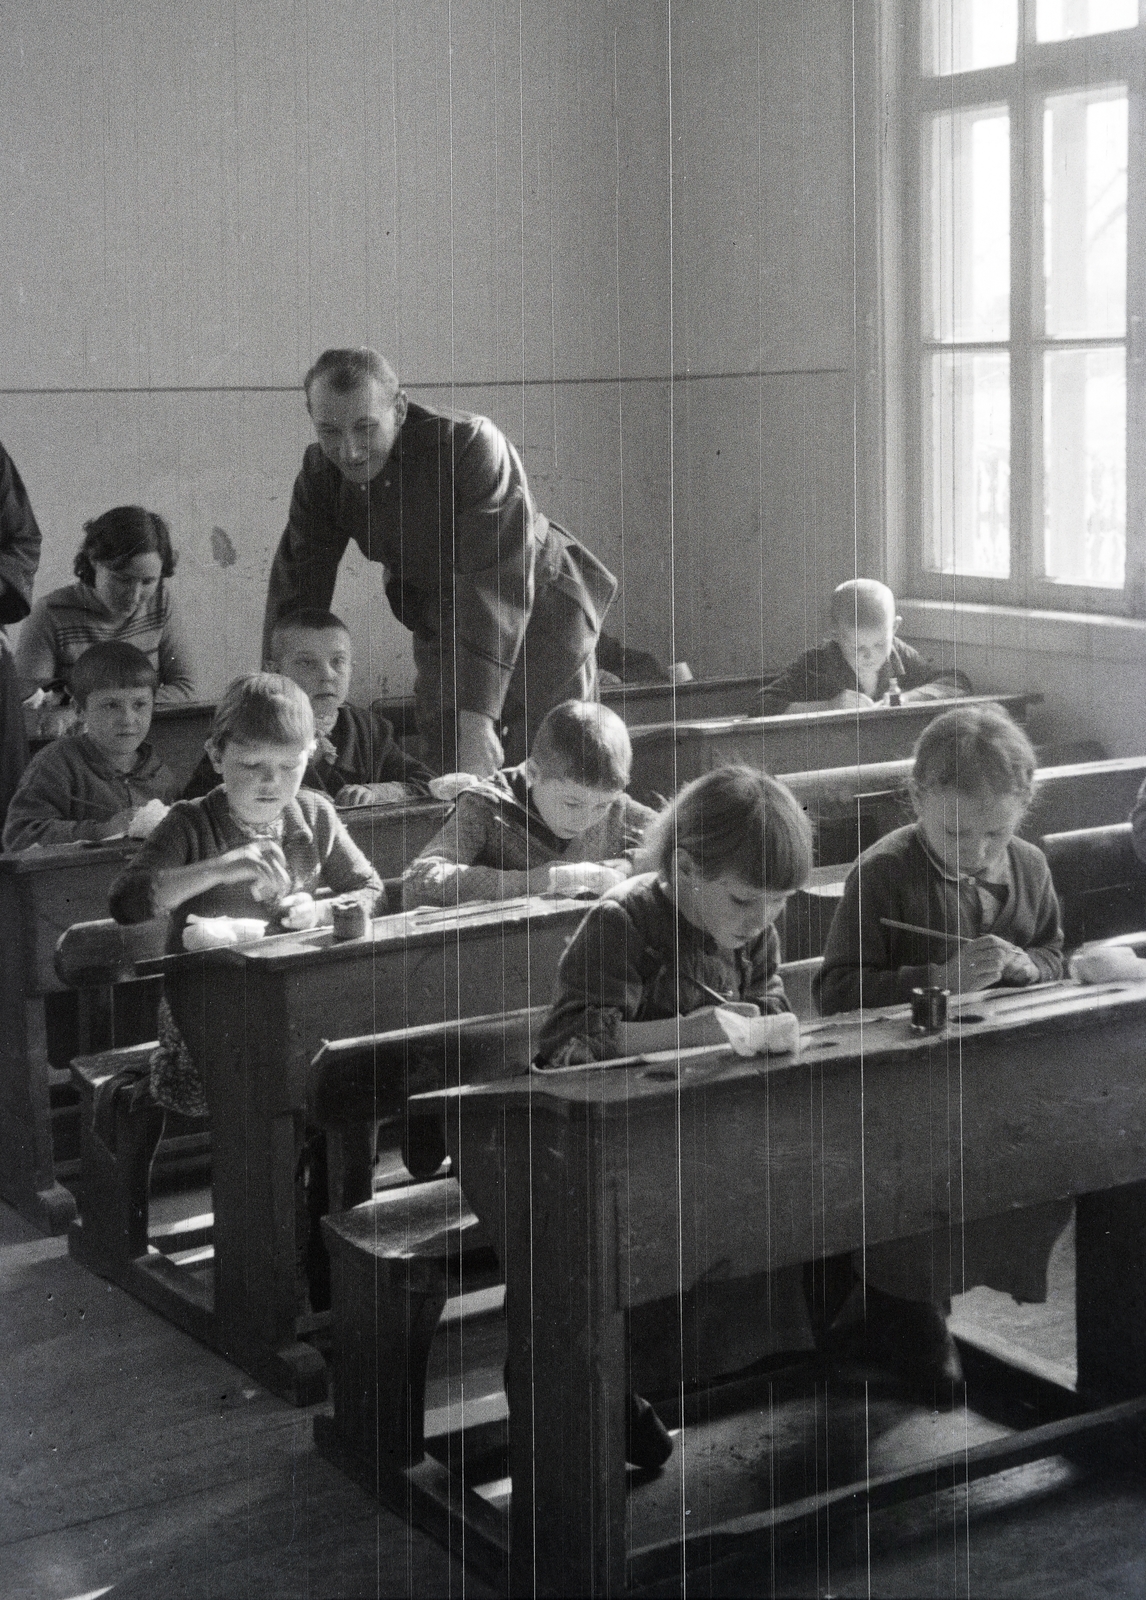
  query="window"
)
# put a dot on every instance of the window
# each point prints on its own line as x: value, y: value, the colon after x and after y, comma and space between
x: 1027, y: 446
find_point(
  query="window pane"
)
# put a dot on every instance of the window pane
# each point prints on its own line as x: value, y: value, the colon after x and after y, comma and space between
x: 1084, y: 213
x: 969, y: 195
x: 1084, y: 466
x: 1072, y: 19
x: 967, y: 422
x: 960, y: 35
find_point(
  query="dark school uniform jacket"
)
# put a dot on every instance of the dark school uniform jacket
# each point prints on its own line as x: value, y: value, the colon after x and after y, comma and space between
x: 823, y: 673
x: 19, y: 558
x: 465, y: 548
x: 360, y: 748
x: 870, y: 965
x: 319, y: 854
x: 19, y: 544
x: 70, y: 789
x: 622, y: 966
x: 496, y: 845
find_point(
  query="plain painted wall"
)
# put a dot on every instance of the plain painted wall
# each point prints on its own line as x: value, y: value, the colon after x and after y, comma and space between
x: 199, y: 197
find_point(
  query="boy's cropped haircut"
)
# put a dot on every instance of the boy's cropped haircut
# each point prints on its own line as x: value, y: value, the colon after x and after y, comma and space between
x: 310, y: 618
x: 734, y: 820
x: 111, y: 665
x: 973, y: 748
x: 585, y: 742
x: 862, y: 603
x: 118, y: 536
x: 263, y: 708
x: 344, y: 370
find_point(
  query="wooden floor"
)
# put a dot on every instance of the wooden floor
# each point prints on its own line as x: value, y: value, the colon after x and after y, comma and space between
x: 137, y: 1464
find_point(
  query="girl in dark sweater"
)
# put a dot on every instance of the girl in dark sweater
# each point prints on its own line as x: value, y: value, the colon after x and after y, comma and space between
x: 959, y: 872
x: 640, y: 974
x: 713, y: 874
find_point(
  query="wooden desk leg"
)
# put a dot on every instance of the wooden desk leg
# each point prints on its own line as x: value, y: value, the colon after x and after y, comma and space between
x: 566, y: 1378
x: 27, y: 1169
x: 258, y: 1290
x: 1111, y: 1293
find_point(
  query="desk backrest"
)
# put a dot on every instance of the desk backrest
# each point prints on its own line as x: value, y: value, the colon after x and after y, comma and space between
x: 1080, y: 795
x: 391, y: 836
x: 42, y: 893
x: 668, y: 754
x: 1100, y: 882
x: 375, y: 1074
x: 91, y: 954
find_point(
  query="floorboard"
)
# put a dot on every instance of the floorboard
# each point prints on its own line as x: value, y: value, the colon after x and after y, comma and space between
x: 137, y: 1461
x: 138, y: 1464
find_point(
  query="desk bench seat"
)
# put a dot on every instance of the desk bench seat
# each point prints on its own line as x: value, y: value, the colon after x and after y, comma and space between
x: 401, y: 1264
x: 112, y: 1231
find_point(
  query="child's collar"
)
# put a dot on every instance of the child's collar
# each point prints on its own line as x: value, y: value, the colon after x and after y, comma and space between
x: 142, y: 755
x: 943, y: 870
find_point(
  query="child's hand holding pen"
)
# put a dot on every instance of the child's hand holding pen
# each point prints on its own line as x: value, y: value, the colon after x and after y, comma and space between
x: 981, y: 963
x: 975, y: 963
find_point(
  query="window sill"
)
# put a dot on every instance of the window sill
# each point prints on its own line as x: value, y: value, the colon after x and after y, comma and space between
x: 1027, y: 632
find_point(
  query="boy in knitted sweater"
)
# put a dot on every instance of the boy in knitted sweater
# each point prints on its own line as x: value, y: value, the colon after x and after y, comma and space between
x: 560, y: 823
x: 105, y: 781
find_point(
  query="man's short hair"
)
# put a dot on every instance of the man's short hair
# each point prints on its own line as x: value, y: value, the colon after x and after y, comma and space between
x: 311, y: 618
x: 262, y: 708
x: 344, y: 370
x: 862, y: 603
x: 585, y: 742
x: 111, y: 665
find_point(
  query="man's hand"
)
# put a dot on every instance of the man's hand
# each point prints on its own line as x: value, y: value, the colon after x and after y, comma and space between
x: 452, y: 784
x: 372, y: 794
x: 479, y: 748
x: 852, y: 700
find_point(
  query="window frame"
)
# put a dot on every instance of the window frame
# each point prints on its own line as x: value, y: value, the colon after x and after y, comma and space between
x: 1039, y: 71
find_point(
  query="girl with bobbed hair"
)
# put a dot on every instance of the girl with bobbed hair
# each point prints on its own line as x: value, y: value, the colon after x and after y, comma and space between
x: 121, y: 593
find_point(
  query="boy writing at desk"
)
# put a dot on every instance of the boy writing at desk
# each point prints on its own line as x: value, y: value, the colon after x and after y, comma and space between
x: 561, y: 822
x: 863, y: 663
x: 259, y: 846
x: 356, y: 760
x: 105, y: 781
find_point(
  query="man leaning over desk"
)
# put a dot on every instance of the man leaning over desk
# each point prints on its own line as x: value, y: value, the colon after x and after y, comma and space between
x: 504, y: 606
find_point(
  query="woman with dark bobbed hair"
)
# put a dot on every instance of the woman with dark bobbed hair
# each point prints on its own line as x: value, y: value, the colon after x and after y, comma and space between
x: 120, y: 593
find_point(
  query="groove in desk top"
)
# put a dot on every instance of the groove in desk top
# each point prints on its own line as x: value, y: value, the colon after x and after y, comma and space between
x: 885, y: 1034
x: 404, y: 930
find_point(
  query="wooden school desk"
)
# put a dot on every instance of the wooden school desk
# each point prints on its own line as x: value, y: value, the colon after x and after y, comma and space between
x: 256, y: 1017
x: 667, y: 754
x: 42, y: 892
x: 643, y: 703
x: 610, y: 1187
